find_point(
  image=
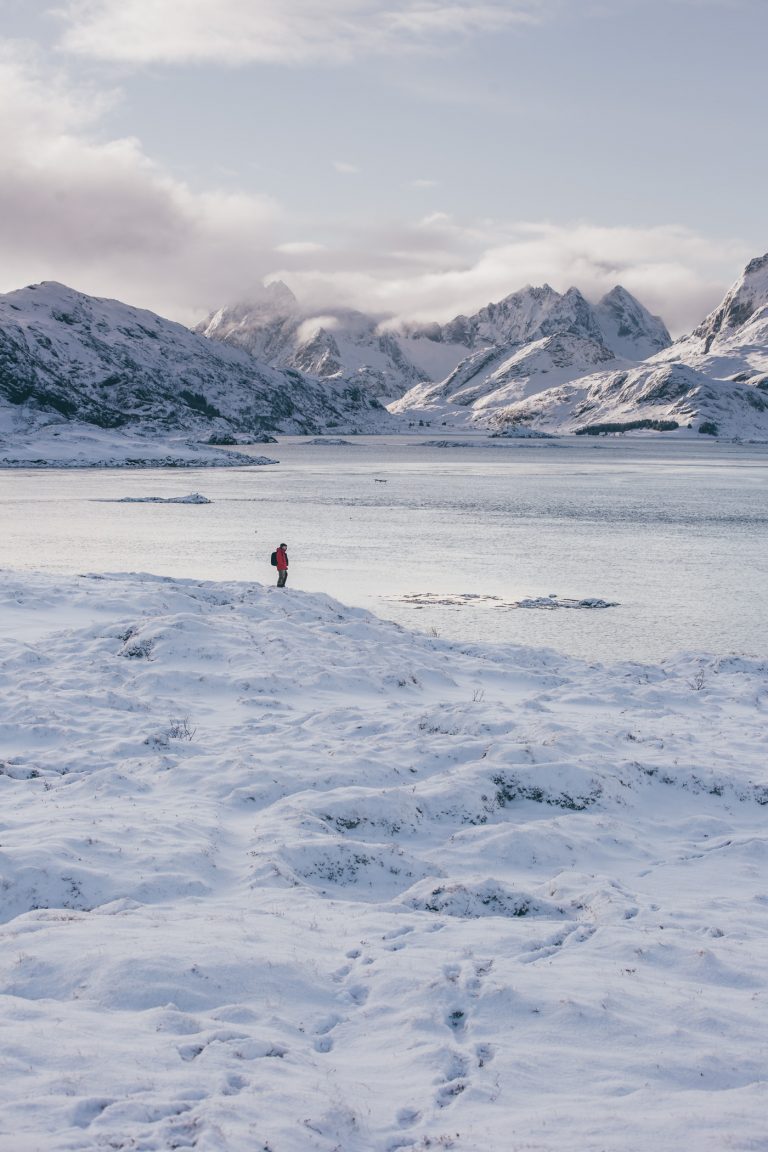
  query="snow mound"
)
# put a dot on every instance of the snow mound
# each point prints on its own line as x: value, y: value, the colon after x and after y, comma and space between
x: 485, y: 898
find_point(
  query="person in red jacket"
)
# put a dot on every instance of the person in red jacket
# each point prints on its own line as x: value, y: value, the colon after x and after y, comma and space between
x: 282, y: 565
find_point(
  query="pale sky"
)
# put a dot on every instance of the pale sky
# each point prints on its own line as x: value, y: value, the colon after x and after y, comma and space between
x: 414, y: 157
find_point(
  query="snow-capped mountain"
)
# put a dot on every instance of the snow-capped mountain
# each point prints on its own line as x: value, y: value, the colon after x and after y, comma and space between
x: 68, y: 357
x: 339, y: 344
x: 462, y: 361
x: 533, y: 340
x: 714, y: 381
x: 536, y: 360
x: 618, y: 321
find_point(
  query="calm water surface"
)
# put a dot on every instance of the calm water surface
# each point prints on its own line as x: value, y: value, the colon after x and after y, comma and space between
x: 675, y: 532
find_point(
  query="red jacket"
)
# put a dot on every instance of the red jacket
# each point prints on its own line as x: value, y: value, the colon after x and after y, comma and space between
x: 282, y: 559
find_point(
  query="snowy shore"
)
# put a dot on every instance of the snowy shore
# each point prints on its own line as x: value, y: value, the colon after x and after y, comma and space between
x: 82, y: 446
x: 276, y: 875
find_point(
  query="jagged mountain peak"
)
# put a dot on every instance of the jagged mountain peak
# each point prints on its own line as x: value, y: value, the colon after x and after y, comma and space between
x: 742, y: 300
x: 265, y: 304
x: 531, y: 295
x: 528, y: 314
x: 628, y: 327
x: 279, y: 292
x: 533, y: 291
x: 275, y: 295
x: 618, y: 296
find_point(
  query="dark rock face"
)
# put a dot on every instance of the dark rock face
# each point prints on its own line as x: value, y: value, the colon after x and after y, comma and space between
x: 747, y: 296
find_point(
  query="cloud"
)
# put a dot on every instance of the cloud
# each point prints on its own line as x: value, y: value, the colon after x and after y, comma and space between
x: 460, y: 19
x: 439, y: 268
x: 310, y: 327
x: 345, y: 168
x: 238, y: 32
x: 300, y: 248
x: 104, y: 217
x: 101, y: 215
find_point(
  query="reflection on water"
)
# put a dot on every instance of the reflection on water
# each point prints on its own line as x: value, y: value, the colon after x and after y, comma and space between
x: 675, y: 533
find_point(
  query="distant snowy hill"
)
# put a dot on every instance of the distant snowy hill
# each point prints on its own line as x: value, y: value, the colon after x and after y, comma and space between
x: 531, y: 341
x: 70, y: 358
x: 714, y: 381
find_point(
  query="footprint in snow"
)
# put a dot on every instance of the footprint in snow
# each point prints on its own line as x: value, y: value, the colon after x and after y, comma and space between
x: 358, y: 994
x: 324, y: 1040
x: 407, y: 1117
x: 454, y: 1080
x: 233, y: 1085
x: 396, y: 938
x: 448, y: 1093
x: 577, y: 934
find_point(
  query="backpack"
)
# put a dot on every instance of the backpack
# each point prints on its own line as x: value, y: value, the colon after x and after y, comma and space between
x: 273, y: 559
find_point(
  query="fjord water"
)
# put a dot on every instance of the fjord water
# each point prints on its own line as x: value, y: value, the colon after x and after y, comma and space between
x: 674, y: 532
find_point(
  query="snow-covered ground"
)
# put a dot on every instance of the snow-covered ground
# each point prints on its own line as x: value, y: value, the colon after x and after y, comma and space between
x: 278, y: 876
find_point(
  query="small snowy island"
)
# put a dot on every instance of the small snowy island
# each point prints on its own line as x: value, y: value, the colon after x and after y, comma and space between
x: 276, y: 874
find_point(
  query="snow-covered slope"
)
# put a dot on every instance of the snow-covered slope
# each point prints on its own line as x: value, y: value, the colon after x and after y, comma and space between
x: 714, y: 381
x: 277, y: 875
x: 531, y: 341
x: 65, y: 357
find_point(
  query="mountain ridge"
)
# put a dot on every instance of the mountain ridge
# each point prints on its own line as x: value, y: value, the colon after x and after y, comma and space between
x: 389, y: 360
x: 535, y: 361
x: 65, y: 355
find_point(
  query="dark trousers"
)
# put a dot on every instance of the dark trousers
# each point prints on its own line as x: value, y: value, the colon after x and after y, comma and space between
x: 282, y: 576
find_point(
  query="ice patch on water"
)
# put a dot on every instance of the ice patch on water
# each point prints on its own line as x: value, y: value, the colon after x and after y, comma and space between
x: 469, y: 599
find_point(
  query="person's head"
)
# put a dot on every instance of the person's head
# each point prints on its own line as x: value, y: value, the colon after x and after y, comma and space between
x: 283, y: 545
